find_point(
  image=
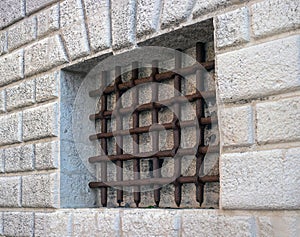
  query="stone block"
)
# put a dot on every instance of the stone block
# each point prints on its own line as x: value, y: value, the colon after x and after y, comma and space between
x: 98, y: 23
x: 2, y: 101
x: 260, y: 180
x: 123, y: 22
x: 279, y: 225
x: 18, y: 223
x: 34, y: 5
x: 204, y: 7
x: 10, y: 128
x: 259, y: 70
x: 1, y: 160
x: 40, y: 122
x: 10, y: 191
x: 278, y: 121
x: 21, y: 33
x: 147, y: 18
x: 210, y: 223
x: 3, y: 42
x: 237, y: 125
x: 11, y: 11
x: 233, y: 28
x: 1, y: 223
x: 53, y: 224
x: 275, y: 16
x: 140, y: 223
x: 47, y: 87
x: 46, y: 155
x: 73, y: 28
x: 19, y: 158
x: 48, y: 21
x: 11, y: 67
x: 175, y: 12
x: 44, y: 55
x: 20, y: 95
x: 40, y: 190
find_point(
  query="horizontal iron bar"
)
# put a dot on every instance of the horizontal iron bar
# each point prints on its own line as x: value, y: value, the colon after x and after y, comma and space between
x: 159, y: 154
x: 159, y: 127
x: 156, y: 105
x: 158, y: 77
x: 157, y: 181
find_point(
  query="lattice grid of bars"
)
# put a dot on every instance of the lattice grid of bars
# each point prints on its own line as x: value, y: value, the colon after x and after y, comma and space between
x: 119, y: 87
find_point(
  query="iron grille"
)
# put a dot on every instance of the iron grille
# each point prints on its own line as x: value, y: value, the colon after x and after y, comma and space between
x: 119, y: 87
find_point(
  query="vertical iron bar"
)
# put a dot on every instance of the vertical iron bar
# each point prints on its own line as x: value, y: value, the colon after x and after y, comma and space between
x: 177, y: 132
x: 135, y: 121
x: 104, y: 142
x: 155, y: 134
x: 119, y: 138
x: 200, y: 57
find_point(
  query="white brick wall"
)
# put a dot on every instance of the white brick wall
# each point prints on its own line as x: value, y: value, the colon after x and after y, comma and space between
x: 257, y: 78
x: 260, y: 70
x: 278, y: 121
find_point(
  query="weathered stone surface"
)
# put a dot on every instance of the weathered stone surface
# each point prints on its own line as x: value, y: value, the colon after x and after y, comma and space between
x: 20, y: 95
x: 11, y: 11
x: 10, y: 191
x: 40, y: 122
x: 209, y: 223
x: 46, y: 155
x: 278, y: 225
x: 1, y: 160
x: 147, y: 18
x: 48, y: 21
x: 291, y: 177
x: 44, y: 55
x: 233, y: 28
x: 73, y: 28
x: 3, y: 42
x: 123, y: 21
x: 47, y: 87
x: 175, y: 12
x: 237, y: 126
x: 34, y: 5
x: 98, y: 23
x: 21, y: 33
x: 140, y: 222
x: 18, y: 223
x: 11, y: 67
x: 1, y: 223
x: 260, y: 180
x: 278, y: 120
x: 19, y: 158
x: 259, y: 70
x: 53, y: 224
x: 275, y: 16
x: 10, y: 128
x: 2, y: 101
x: 204, y: 7
x: 40, y: 190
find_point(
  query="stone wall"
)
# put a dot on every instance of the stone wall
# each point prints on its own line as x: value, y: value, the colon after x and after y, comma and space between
x: 257, y: 47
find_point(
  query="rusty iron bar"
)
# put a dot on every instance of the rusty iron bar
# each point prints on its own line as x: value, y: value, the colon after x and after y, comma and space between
x: 155, y: 133
x: 119, y: 139
x: 177, y: 129
x: 135, y: 125
x: 177, y: 152
x: 104, y: 144
x: 200, y: 113
x: 159, y: 78
x: 160, y: 154
x: 157, y: 181
x: 144, y: 129
x: 157, y: 105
